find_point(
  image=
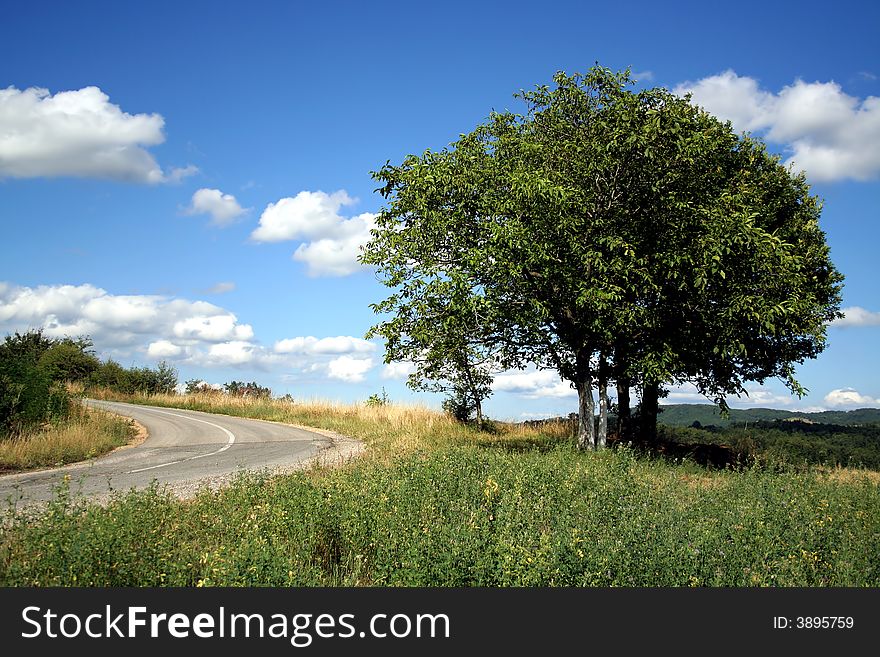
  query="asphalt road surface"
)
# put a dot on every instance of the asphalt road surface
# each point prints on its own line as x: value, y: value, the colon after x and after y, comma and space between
x: 184, y: 449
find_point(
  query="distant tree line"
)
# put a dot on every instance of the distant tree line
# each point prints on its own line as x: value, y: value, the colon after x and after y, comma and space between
x: 232, y: 388
x: 791, y: 442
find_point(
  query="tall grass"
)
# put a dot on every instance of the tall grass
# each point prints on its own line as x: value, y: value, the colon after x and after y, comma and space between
x: 440, y: 504
x: 465, y: 516
x: 84, y: 435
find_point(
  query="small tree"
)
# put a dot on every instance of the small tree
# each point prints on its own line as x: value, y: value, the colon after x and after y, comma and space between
x: 443, y: 328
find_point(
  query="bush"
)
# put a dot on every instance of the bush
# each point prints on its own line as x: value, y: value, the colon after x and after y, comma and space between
x: 135, y: 380
x: 69, y: 360
x: 29, y: 395
x: 378, y: 400
x: 460, y: 405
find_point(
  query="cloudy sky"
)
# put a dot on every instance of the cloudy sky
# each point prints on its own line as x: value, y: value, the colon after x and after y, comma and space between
x: 190, y: 182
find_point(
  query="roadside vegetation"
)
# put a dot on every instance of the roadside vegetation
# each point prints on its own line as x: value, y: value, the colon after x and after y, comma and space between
x: 42, y: 382
x: 435, y: 502
x: 85, y: 434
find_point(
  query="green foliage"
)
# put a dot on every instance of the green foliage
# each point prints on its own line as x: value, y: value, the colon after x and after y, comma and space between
x: 786, y: 442
x: 135, y: 380
x: 465, y: 517
x: 460, y: 405
x: 377, y: 399
x: 609, y: 235
x: 33, y: 369
x: 69, y: 360
x: 242, y: 389
x: 705, y: 414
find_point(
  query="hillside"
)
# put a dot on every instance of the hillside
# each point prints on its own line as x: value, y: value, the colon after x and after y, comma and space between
x: 683, y: 415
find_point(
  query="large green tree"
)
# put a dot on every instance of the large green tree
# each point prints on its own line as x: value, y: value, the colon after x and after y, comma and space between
x: 614, y: 236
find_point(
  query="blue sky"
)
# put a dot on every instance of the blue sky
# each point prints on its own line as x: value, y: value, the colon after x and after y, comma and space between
x: 191, y: 181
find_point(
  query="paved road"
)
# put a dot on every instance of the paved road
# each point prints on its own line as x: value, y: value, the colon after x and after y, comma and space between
x: 183, y: 449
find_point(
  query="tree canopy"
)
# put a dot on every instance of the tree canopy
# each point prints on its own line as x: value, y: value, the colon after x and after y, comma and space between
x: 611, y: 235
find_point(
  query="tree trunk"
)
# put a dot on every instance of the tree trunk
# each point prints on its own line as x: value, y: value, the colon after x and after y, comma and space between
x: 586, y: 438
x: 479, y: 410
x: 602, y: 435
x: 623, y: 411
x: 649, y: 410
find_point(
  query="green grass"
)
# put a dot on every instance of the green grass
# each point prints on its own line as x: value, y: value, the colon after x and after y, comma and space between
x: 444, y: 505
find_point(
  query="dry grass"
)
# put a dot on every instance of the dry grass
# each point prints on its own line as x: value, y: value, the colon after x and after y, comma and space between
x: 848, y: 475
x: 394, y: 430
x: 388, y: 430
x: 88, y: 434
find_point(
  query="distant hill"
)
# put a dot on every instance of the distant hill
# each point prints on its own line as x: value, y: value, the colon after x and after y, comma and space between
x: 684, y: 415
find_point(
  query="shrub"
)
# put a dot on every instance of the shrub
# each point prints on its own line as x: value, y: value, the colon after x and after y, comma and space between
x: 28, y: 393
x: 460, y: 405
x: 378, y: 400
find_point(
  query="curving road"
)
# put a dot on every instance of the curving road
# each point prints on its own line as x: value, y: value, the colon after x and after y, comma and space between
x: 183, y: 450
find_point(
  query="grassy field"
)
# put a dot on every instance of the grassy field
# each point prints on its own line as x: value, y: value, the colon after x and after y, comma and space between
x: 434, y: 503
x: 86, y: 434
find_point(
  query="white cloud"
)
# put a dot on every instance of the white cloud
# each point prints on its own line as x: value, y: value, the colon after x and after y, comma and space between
x: 306, y: 215
x: 534, y: 385
x: 643, y: 76
x: 337, y: 256
x: 235, y: 352
x: 830, y: 134
x: 310, y: 345
x: 164, y: 349
x: 757, y: 396
x: 78, y: 133
x: 849, y: 397
x: 399, y: 371
x: 349, y: 369
x: 221, y: 288
x: 152, y: 324
x: 212, y: 328
x: 223, y: 208
x: 856, y: 316
x: 155, y: 327
x: 330, y: 242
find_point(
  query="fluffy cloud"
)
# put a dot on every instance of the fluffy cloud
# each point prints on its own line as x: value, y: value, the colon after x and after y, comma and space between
x: 349, y: 368
x: 830, y: 134
x: 534, y: 385
x: 235, y: 352
x: 159, y: 326
x: 398, y: 371
x: 164, y: 349
x: 155, y: 327
x: 309, y: 345
x: 212, y: 328
x: 337, y: 256
x: 849, y: 397
x: 856, y: 316
x: 308, y: 214
x: 78, y: 133
x: 330, y: 242
x: 223, y: 208
x: 756, y: 395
